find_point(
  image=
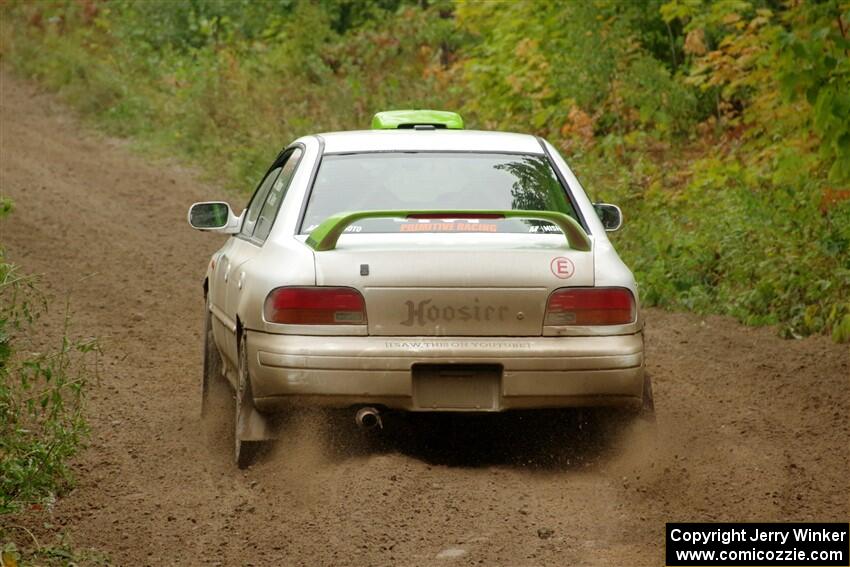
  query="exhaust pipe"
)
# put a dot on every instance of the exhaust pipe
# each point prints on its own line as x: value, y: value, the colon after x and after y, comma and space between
x: 368, y: 418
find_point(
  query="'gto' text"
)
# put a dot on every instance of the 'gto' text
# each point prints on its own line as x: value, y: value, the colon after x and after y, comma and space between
x: 423, y: 312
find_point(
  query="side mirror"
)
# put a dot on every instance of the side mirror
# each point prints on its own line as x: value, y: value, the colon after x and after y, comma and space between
x: 610, y: 215
x: 214, y: 216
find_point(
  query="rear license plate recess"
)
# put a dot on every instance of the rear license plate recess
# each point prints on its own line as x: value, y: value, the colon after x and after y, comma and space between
x: 468, y: 387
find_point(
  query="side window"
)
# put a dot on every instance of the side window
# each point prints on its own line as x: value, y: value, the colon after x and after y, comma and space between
x: 256, y: 203
x: 276, y: 195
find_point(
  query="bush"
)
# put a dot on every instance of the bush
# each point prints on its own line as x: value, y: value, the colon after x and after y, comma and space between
x: 41, y: 395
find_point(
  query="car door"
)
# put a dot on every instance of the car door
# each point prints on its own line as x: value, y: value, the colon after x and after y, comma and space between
x: 254, y: 232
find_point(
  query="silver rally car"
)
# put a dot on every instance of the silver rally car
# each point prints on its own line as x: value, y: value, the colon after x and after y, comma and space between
x: 420, y: 267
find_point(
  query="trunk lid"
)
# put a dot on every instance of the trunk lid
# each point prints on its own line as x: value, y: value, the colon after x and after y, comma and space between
x: 454, y: 285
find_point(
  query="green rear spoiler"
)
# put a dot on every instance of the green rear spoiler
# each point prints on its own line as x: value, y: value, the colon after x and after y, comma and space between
x: 324, y: 236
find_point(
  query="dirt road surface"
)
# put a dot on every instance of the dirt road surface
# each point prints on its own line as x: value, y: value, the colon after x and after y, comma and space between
x: 750, y: 427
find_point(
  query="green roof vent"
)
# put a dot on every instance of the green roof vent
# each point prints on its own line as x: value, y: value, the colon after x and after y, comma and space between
x: 416, y: 119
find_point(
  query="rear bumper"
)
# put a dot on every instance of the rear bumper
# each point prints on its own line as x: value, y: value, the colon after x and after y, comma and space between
x: 536, y: 372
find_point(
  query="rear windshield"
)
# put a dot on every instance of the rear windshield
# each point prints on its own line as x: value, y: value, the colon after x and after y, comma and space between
x: 436, y: 180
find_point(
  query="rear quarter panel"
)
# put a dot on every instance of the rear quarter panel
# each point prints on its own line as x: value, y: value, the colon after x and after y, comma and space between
x: 283, y: 259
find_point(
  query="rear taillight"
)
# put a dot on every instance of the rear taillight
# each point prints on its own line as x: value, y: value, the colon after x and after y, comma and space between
x: 590, y: 306
x: 315, y: 306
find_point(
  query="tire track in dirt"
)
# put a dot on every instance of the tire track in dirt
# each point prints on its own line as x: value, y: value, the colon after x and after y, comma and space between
x: 750, y: 427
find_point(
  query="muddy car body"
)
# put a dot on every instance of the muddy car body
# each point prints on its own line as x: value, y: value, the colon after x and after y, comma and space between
x: 420, y: 268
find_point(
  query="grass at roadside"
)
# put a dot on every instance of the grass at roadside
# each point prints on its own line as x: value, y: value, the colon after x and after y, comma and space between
x: 30, y: 552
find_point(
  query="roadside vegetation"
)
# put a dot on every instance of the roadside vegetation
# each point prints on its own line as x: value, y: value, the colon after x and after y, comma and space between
x: 722, y: 128
x: 42, y: 426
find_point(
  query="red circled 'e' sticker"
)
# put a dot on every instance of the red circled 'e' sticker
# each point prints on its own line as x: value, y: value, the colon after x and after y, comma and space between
x: 562, y: 267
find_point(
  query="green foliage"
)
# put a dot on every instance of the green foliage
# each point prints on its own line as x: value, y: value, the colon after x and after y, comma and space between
x: 531, y: 62
x: 723, y: 246
x: 814, y: 60
x: 31, y: 552
x: 227, y: 86
x: 722, y: 126
x: 41, y: 396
